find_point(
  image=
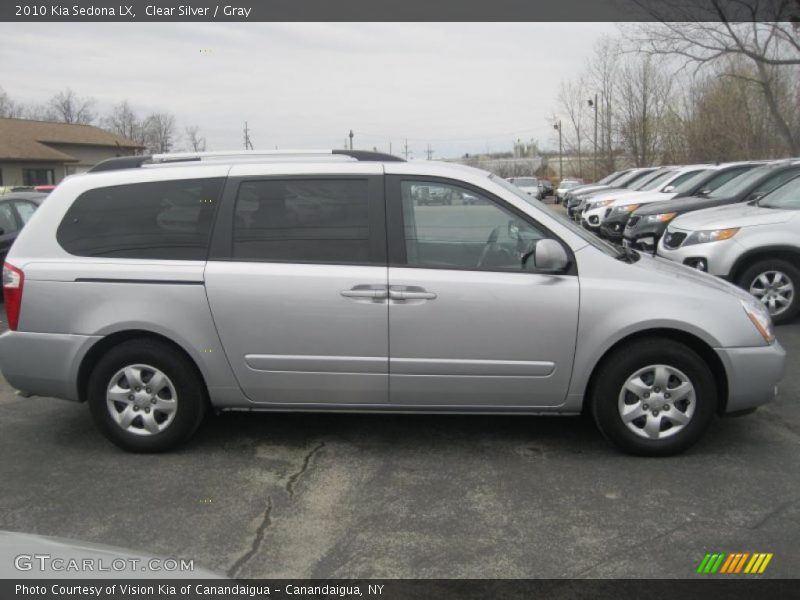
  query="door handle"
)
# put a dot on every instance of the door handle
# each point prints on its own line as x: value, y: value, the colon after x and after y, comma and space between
x: 364, y: 291
x: 411, y: 294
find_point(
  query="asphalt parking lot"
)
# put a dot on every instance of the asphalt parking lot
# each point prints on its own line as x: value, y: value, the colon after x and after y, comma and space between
x: 270, y: 495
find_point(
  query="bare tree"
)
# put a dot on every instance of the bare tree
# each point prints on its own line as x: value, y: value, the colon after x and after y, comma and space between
x: 159, y: 132
x: 194, y: 140
x: 642, y: 102
x: 759, y: 31
x: 603, y: 74
x: 572, y: 97
x: 68, y: 107
x: 8, y: 108
x: 764, y: 31
x: 124, y: 121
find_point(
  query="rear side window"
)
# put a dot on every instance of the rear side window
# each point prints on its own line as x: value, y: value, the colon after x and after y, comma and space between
x: 304, y: 220
x: 8, y: 224
x: 168, y: 220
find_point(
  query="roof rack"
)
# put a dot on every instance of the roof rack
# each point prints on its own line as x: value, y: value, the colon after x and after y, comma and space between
x: 135, y: 162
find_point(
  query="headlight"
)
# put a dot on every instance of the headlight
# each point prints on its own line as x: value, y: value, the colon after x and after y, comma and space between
x: 599, y: 204
x: 659, y: 218
x: 628, y: 208
x: 710, y: 235
x: 760, y: 318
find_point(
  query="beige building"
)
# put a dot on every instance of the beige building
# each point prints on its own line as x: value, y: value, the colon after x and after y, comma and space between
x: 43, y: 153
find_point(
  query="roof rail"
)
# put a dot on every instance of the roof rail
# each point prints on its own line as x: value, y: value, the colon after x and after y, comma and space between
x: 134, y: 162
x: 121, y: 162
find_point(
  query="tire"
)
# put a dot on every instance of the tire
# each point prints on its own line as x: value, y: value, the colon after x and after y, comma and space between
x: 672, y: 430
x: 765, y: 274
x: 172, y: 412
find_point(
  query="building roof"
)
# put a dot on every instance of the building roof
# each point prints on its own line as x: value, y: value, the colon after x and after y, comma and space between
x: 24, y: 139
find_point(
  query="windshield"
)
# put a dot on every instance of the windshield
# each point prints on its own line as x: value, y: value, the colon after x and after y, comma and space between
x: 653, y: 182
x: 632, y: 177
x: 525, y: 181
x: 786, y: 197
x: 689, y: 184
x: 610, y: 178
x: 739, y: 184
x: 587, y: 236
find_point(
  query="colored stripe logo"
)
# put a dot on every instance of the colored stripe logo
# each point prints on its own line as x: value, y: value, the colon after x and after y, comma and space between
x: 734, y: 563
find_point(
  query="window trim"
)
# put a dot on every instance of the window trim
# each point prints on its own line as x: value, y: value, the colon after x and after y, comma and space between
x: 396, y: 225
x: 221, y: 248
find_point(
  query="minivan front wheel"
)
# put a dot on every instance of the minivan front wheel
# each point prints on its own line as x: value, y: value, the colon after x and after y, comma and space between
x: 145, y: 396
x: 654, y: 397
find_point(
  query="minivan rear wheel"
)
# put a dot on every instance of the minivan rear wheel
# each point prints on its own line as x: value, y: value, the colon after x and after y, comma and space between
x: 653, y: 397
x: 145, y: 396
x: 775, y: 283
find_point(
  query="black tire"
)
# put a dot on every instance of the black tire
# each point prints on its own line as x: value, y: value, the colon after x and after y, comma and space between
x: 751, y: 273
x: 187, y: 383
x: 625, y: 362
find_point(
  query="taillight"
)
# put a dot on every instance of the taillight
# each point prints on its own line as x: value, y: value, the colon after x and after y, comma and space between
x: 13, y: 281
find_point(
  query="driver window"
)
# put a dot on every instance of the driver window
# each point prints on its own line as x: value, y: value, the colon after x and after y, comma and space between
x: 449, y: 227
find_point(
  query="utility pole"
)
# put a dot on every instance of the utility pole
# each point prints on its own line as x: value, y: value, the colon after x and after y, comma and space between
x: 595, y: 107
x: 557, y: 126
x: 390, y: 147
x: 405, y: 150
x: 351, y: 139
x: 429, y: 152
x: 248, y: 145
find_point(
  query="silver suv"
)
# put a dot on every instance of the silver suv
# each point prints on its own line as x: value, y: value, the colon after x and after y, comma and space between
x: 756, y: 245
x: 156, y: 288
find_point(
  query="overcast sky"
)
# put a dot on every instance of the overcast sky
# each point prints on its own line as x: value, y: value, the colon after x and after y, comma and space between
x: 460, y: 87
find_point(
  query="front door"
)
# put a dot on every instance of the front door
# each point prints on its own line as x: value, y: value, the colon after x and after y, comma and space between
x: 298, y: 291
x: 469, y: 325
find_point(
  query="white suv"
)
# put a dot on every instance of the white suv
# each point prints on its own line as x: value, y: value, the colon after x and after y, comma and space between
x: 756, y: 245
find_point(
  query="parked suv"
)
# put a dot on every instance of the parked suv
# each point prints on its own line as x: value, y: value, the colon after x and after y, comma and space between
x: 318, y: 282
x: 756, y: 245
x: 648, y: 223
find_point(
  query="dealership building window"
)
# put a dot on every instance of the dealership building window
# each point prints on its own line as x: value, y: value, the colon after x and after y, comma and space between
x: 38, y: 177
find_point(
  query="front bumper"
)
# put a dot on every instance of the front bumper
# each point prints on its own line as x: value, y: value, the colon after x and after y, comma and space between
x: 753, y: 374
x: 613, y: 227
x: 643, y: 235
x: 719, y: 257
x: 44, y: 364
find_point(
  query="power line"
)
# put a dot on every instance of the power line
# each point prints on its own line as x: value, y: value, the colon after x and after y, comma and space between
x: 445, y: 140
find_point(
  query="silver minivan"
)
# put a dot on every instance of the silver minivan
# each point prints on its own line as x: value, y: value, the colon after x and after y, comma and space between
x: 157, y: 288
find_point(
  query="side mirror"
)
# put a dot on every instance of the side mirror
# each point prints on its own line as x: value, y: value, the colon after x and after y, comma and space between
x: 704, y: 192
x: 755, y: 196
x: 548, y: 257
x: 668, y: 189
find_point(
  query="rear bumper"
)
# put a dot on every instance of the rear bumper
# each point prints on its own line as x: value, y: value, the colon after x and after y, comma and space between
x: 753, y: 374
x: 44, y: 364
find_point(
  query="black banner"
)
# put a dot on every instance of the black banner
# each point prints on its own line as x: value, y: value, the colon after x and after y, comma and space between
x: 403, y: 589
x: 405, y: 10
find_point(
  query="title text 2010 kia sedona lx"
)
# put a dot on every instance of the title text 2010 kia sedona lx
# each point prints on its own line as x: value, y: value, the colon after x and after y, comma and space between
x: 156, y: 288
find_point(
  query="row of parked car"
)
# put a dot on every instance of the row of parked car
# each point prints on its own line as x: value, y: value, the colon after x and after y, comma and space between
x: 540, y: 188
x: 739, y: 221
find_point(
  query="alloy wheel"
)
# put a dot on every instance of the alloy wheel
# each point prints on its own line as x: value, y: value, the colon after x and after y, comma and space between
x: 774, y: 289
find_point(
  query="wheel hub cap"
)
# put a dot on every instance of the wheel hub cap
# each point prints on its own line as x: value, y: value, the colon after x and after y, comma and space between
x: 656, y: 401
x: 141, y: 399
